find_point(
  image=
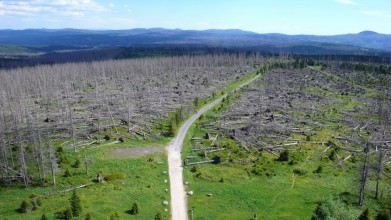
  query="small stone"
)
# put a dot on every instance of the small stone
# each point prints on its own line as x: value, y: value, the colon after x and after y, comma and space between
x: 190, y: 193
x: 165, y: 202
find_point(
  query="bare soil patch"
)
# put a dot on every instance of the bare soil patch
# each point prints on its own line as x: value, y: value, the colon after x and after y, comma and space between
x: 133, y: 152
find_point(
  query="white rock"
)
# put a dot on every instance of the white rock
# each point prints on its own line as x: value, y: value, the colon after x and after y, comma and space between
x: 190, y: 193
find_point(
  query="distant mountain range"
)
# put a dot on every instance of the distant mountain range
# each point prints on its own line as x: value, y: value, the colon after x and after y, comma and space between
x: 41, y: 40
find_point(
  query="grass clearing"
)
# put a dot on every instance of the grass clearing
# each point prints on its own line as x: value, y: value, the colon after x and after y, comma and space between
x: 134, y: 152
x: 145, y: 181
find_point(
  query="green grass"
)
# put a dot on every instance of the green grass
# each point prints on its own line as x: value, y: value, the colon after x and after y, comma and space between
x: 143, y: 182
x: 241, y: 194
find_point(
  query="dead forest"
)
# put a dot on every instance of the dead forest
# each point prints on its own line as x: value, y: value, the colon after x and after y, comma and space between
x: 289, y: 110
x: 299, y: 101
x: 71, y: 105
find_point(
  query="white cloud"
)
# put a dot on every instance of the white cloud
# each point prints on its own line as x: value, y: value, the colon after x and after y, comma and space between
x: 81, y: 5
x: 55, y: 7
x: 346, y: 2
x: 111, y: 5
x: 1, y: 8
x: 380, y: 14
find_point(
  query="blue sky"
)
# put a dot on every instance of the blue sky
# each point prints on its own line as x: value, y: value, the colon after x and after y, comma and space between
x: 322, y: 17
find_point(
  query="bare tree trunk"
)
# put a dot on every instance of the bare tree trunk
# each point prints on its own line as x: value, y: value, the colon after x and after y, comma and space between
x: 18, y: 120
x: 72, y: 127
x: 4, y: 161
x: 52, y: 158
x: 99, y: 129
x: 37, y: 157
x: 379, y: 169
x: 34, y: 145
x: 85, y: 160
x: 5, y: 140
x: 363, y: 176
x: 112, y: 118
x: 10, y: 152
x: 41, y: 157
x: 23, y: 166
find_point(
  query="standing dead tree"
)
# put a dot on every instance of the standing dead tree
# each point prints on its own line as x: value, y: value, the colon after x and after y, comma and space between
x: 45, y: 106
x: 364, y: 175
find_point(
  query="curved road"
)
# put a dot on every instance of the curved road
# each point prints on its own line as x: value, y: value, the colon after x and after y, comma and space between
x: 177, y: 189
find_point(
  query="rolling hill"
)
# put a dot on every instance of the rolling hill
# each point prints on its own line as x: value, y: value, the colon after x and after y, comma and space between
x: 64, y: 39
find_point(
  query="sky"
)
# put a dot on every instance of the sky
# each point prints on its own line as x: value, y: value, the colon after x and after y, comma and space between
x: 320, y: 17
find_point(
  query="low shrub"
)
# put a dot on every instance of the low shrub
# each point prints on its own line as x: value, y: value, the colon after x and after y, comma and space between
x: 318, y: 170
x: 67, y: 173
x: 284, y: 156
x: 25, y: 207
x: 194, y: 169
x: 300, y: 172
x: 114, y: 176
x: 77, y: 163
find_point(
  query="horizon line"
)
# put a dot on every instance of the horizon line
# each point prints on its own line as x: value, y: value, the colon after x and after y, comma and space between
x: 211, y: 29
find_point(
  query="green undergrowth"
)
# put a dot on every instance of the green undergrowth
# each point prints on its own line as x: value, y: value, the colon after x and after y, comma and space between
x: 269, y: 188
x: 141, y: 180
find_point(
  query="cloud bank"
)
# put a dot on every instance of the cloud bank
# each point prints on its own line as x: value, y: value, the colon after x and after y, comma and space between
x: 57, y: 7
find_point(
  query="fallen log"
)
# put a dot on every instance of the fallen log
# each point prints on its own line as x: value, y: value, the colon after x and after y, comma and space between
x: 201, y: 162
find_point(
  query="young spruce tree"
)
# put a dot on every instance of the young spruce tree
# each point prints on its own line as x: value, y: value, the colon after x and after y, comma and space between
x: 75, y: 204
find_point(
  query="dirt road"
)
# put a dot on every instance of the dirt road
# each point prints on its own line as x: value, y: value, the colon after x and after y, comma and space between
x: 177, y: 189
